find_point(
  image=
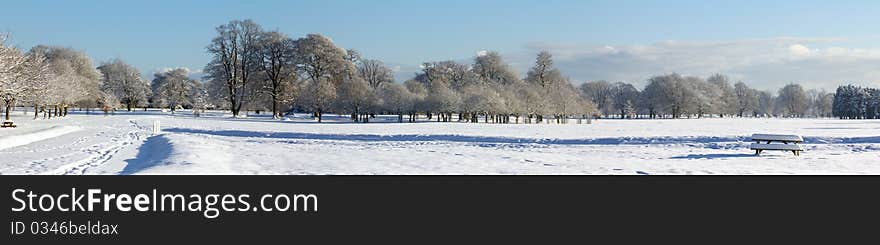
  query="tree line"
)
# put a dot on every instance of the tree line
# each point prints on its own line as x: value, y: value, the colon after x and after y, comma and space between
x: 852, y: 102
x: 676, y: 96
x: 252, y: 69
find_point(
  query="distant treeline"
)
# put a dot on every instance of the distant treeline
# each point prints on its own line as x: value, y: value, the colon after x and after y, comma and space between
x: 676, y: 96
x: 851, y: 102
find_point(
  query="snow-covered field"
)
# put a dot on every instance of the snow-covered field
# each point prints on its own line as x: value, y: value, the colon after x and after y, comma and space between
x: 217, y: 144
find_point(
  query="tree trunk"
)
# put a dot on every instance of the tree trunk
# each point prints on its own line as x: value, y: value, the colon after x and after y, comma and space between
x: 275, y: 107
x: 8, y: 108
x: 235, y: 110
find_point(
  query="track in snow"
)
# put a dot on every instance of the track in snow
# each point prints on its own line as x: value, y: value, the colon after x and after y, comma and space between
x: 99, y: 154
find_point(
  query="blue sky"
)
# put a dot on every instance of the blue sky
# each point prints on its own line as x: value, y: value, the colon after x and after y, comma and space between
x: 766, y: 43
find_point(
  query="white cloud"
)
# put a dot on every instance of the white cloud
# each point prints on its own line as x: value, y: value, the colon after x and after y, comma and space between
x: 167, y: 69
x: 763, y: 63
x: 799, y: 50
x: 194, y: 74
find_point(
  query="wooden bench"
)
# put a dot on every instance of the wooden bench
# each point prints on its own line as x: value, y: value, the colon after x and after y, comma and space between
x: 764, y: 142
x: 7, y: 124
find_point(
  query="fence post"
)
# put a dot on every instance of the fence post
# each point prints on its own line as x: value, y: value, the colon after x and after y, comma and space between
x: 156, y: 128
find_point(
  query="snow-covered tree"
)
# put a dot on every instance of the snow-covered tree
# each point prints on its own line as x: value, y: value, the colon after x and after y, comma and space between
x: 124, y: 82
x: 396, y: 98
x: 491, y: 68
x: 325, y: 67
x: 727, y: 101
x: 565, y: 101
x: 543, y: 73
x: 174, y: 88
x: 319, y: 96
x: 444, y: 82
x: 706, y: 97
x: 746, y: 98
x: 13, y: 75
x: 533, y: 105
x: 356, y: 96
x: 75, y: 79
x: 672, y: 94
x: 793, y: 100
x: 548, y: 78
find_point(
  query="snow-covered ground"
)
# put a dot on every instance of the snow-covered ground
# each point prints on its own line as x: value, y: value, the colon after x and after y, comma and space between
x: 217, y: 144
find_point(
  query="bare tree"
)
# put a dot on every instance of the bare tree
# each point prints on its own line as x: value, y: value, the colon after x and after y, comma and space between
x: 766, y: 104
x: 793, y: 100
x: 278, y: 62
x: 235, y: 59
x: 375, y: 72
x: 625, y: 97
x: 601, y: 93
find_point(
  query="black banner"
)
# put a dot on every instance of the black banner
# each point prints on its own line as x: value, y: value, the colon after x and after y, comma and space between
x: 417, y: 209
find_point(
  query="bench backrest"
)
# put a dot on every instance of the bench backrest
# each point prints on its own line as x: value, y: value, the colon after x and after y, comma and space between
x: 778, y: 137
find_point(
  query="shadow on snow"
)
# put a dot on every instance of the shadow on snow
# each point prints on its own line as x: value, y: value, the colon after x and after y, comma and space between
x: 459, y: 138
x: 511, y: 140
x: 712, y: 156
x: 153, y: 152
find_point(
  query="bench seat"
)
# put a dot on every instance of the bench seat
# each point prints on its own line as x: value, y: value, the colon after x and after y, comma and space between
x: 778, y: 147
x: 777, y: 137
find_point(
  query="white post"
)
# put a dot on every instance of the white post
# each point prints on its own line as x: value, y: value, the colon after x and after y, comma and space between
x: 156, y: 128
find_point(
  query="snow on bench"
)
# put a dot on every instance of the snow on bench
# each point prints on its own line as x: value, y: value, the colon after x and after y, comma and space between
x: 785, y: 143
